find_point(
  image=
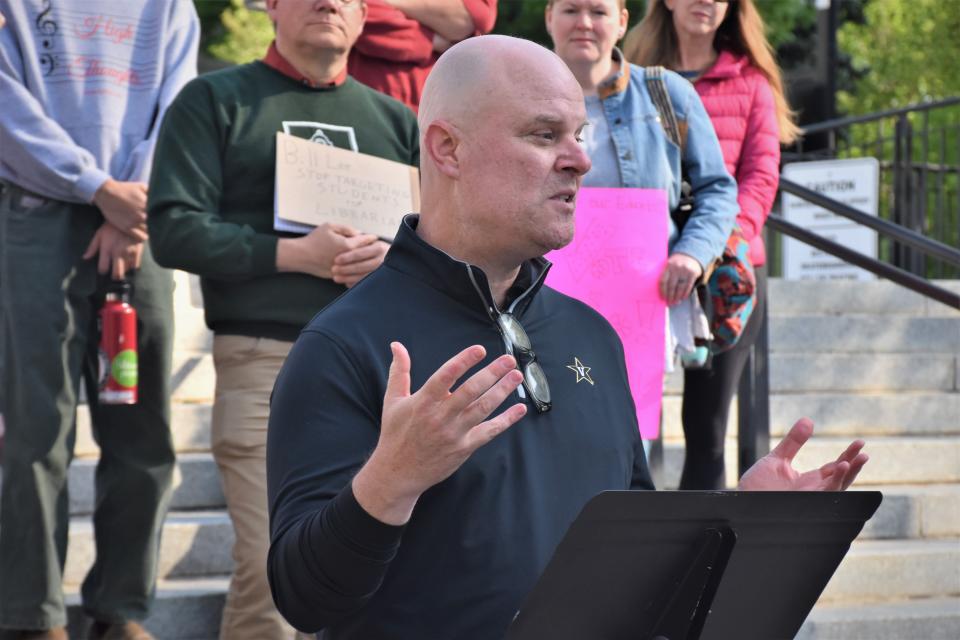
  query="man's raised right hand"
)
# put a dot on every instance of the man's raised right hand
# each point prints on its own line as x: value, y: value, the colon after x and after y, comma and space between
x: 426, y: 436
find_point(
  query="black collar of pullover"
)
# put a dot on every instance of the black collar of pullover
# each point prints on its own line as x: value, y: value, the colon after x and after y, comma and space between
x: 461, y: 281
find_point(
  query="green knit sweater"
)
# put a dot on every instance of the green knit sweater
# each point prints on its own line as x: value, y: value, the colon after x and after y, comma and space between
x: 211, y: 194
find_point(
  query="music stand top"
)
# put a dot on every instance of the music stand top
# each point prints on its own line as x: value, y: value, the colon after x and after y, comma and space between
x: 631, y: 555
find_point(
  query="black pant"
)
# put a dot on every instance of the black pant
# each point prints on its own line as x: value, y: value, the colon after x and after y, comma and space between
x: 706, y: 403
x: 49, y: 298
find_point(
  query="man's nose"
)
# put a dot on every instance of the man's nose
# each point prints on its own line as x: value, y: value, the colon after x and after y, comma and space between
x: 575, y: 159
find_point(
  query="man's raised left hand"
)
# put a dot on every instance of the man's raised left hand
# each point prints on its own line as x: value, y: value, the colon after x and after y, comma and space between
x: 775, y: 472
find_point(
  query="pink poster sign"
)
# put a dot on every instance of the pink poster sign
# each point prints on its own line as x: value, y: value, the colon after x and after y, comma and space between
x: 613, y: 264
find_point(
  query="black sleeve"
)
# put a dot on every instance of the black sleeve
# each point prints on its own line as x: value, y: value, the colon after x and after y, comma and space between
x: 327, y: 555
x: 641, y: 478
x: 187, y: 228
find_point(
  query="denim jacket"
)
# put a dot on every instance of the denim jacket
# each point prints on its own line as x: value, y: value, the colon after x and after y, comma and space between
x: 648, y: 159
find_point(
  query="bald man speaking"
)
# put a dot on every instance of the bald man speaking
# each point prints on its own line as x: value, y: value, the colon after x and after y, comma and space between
x: 435, y: 430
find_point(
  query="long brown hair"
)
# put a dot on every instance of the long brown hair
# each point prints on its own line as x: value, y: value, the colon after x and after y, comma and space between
x: 653, y: 41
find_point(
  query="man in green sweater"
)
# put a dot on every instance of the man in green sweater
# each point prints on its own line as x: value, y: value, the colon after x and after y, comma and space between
x: 210, y: 212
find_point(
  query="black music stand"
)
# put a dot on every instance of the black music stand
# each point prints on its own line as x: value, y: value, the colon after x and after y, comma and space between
x: 688, y: 565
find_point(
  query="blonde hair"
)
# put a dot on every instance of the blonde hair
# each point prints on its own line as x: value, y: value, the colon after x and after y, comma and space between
x: 653, y: 41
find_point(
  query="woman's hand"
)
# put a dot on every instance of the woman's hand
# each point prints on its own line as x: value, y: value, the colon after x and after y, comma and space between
x: 678, y: 278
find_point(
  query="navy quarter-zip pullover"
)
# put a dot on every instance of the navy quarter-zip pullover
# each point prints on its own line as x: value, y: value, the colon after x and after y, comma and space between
x: 478, y: 541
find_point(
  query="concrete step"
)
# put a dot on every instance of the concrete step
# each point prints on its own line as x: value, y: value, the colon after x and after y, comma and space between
x: 185, y: 609
x: 864, y: 333
x: 919, y: 619
x: 854, y: 372
x: 894, y: 460
x: 193, y: 544
x: 908, y: 512
x: 880, y: 297
x: 189, y: 609
x: 196, y: 484
x: 915, y: 511
x: 901, y: 460
x: 846, y: 414
x: 190, y: 423
x: 191, y: 333
x: 865, y: 414
x: 882, y: 570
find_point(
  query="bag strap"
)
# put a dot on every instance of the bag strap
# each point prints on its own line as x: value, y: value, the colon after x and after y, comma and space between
x: 657, y: 87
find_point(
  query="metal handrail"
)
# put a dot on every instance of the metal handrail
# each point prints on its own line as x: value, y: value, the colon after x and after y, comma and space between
x: 906, y: 236
x: 882, y: 269
x: 837, y: 123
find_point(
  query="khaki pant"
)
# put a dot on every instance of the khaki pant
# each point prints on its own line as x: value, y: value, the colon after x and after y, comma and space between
x: 246, y: 369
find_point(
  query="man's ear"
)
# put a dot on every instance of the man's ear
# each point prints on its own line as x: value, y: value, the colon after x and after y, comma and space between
x: 271, y: 8
x: 442, y: 145
x: 363, y: 18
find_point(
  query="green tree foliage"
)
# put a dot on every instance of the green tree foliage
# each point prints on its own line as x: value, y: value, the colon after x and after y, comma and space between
x: 785, y: 19
x: 233, y: 32
x: 904, y: 52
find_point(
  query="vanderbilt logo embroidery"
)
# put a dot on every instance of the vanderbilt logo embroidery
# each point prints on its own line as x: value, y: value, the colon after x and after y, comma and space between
x: 583, y: 372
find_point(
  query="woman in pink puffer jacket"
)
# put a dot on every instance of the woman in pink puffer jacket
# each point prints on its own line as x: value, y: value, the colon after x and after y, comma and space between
x: 721, y: 48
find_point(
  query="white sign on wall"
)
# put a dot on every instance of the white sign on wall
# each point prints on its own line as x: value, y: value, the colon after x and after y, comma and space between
x: 854, y: 182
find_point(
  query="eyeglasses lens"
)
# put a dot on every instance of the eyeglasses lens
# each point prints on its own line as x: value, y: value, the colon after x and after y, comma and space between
x: 534, y: 378
x: 514, y: 332
x: 537, y: 381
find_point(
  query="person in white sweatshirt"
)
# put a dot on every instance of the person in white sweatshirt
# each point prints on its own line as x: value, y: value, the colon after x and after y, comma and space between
x: 84, y: 85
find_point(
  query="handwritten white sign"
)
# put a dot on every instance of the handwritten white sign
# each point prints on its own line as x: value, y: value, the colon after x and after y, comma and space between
x: 318, y: 183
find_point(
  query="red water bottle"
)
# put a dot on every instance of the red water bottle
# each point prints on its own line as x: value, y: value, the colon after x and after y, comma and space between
x: 118, y: 347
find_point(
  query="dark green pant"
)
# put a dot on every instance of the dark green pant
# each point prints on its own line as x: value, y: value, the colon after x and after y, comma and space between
x: 49, y: 299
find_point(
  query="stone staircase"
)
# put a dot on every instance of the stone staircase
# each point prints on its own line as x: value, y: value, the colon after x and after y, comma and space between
x: 886, y: 370
x: 872, y: 361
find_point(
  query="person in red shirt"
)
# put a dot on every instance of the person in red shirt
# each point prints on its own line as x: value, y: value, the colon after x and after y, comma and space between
x: 721, y: 48
x: 402, y: 40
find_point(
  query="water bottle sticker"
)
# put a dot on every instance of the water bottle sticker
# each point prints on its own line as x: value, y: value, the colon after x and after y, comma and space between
x: 124, y: 368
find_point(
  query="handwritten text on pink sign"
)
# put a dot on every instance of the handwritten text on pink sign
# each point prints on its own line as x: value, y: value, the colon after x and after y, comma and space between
x: 613, y: 264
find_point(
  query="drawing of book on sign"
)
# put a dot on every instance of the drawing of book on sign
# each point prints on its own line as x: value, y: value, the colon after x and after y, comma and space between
x: 318, y: 183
